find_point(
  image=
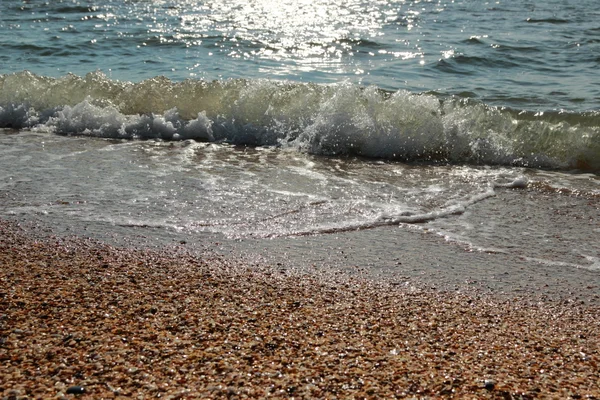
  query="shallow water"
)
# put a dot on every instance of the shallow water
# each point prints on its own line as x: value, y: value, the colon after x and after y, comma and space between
x: 496, y: 225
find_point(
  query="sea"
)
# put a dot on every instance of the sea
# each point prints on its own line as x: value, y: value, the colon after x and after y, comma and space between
x: 452, y: 144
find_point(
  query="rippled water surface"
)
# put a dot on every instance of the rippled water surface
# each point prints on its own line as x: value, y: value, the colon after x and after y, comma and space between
x: 534, y: 55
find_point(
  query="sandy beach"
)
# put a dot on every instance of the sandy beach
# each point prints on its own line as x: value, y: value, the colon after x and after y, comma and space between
x: 83, y: 319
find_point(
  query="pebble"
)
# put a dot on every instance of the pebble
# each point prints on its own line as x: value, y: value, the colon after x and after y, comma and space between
x: 76, y: 390
x: 251, y: 333
x: 489, y: 384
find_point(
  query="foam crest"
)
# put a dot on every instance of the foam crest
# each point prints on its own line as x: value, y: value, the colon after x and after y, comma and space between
x: 406, y: 217
x: 340, y: 119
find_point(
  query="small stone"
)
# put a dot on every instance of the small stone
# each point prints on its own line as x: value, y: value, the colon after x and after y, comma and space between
x: 76, y: 390
x: 489, y: 384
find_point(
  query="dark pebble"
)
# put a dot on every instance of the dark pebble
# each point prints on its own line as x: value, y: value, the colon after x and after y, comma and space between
x: 489, y: 384
x: 76, y: 390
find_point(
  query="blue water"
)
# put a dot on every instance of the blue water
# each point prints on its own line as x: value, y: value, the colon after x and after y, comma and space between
x: 536, y: 55
x: 268, y: 122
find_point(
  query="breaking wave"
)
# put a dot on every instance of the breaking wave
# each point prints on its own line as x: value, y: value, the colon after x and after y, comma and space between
x: 335, y: 119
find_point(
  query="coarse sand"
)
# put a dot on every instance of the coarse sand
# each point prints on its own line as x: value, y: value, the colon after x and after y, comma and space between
x: 83, y: 319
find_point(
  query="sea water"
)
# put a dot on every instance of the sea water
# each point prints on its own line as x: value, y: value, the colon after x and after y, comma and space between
x: 447, y: 139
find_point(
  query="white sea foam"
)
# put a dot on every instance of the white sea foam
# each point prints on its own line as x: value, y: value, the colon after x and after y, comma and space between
x: 518, y: 183
x: 320, y: 119
x: 593, y: 266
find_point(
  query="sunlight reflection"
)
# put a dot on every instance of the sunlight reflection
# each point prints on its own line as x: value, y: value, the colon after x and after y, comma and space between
x: 288, y: 36
x: 288, y: 29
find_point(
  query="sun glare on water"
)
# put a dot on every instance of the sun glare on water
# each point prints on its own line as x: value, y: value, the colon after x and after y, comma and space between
x: 299, y: 35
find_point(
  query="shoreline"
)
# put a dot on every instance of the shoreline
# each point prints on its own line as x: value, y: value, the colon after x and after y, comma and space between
x: 125, y: 322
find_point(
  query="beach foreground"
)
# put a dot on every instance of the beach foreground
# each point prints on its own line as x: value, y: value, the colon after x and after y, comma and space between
x: 81, y: 316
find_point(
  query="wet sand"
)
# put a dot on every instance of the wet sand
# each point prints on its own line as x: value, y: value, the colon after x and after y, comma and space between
x: 115, y: 322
